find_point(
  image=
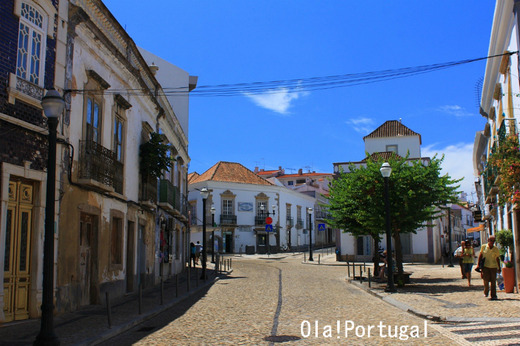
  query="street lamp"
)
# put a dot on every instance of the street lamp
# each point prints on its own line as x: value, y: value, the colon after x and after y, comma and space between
x: 262, y: 209
x: 450, y: 253
x: 386, y: 170
x: 213, y: 233
x: 204, y: 193
x: 309, y: 211
x: 53, y: 105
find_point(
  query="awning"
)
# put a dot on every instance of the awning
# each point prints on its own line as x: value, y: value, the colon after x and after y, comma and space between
x: 475, y: 229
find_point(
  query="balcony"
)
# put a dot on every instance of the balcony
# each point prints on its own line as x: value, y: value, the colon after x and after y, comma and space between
x: 260, y: 220
x: 508, y: 127
x: 490, y: 183
x: 99, y: 168
x: 169, y: 196
x: 148, y: 191
x: 289, y: 222
x: 299, y: 224
x: 228, y: 219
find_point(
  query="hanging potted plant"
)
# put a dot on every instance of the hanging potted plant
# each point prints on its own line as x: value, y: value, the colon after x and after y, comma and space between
x: 154, y: 158
x: 505, y: 239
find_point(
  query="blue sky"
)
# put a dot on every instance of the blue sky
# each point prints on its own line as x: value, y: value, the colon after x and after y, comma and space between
x: 239, y: 41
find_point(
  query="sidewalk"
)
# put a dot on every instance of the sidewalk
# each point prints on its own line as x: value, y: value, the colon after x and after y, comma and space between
x: 89, y: 326
x: 440, y: 294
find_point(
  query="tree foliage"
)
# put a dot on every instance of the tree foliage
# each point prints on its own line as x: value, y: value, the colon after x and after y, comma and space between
x: 154, y: 158
x: 416, y: 191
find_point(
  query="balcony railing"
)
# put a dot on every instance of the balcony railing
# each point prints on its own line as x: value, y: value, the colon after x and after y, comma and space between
x: 169, y: 196
x: 228, y: 219
x: 508, y: 127
x: 98, y: 166
x: 148, y: 189
x: 289, y: 222
x: 260, y: 220
x: 299, y: 223
x: 490, y: 187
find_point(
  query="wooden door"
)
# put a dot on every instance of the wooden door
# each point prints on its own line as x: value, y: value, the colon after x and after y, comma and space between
x: 17, y: 270
x: 86, y: 226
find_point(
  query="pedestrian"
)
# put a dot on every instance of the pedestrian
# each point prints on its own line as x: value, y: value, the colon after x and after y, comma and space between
x: 468, y: 257
x: 491, y: 255
x: 458, y: 254
x: 198, y: 251
x: 192, y: 253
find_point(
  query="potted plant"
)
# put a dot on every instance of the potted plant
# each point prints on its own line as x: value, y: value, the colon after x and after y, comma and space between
x: 505, y: 239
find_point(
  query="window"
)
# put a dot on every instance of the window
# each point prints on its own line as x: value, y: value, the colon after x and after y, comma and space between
x: 392, y: 148
x: 227, y: 207
x: 300, y: 181
x: 30, y: 59
x: 116, y: 239
x: 119, y: 128
x: 288, y: 210
x: 93, y: 111
x: 93, y: 119
x: 290, y: 183
x: 261, y: 205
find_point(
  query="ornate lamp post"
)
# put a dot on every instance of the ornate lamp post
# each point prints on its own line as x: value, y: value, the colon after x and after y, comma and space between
x: 213, y: 233
x: 204, y: 193
x: 309, y: 211
x: 386, y: 170
x: 53, y: 105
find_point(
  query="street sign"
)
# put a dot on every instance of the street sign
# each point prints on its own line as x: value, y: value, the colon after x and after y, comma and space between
x: 321, y: 227
x: 268, y: 220
x: 268, y: 228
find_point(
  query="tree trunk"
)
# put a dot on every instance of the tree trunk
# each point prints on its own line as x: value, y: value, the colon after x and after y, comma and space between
x: 376, y: 257
x: 398, y: 253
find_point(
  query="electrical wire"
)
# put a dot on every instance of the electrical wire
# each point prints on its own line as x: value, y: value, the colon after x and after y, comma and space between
x: 295, y: 85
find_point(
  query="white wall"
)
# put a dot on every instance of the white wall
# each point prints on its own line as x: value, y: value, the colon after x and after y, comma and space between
x: 404, y: 143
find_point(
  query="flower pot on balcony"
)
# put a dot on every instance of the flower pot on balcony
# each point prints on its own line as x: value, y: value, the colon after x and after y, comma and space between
x: 509, y: 279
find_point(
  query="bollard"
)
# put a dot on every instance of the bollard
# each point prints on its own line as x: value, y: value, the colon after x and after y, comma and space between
x: 442, y: 261
x: 109, y: 311
x: 360, y: 274
x: 231, y: 263
x: 354, y: 271
x: 364, y: 266
x: 197, y: 275
x: 319, y: 259
x: 162, y: 291
x: 176, y: 285
x: 304, y: 259
x: 348, y: 268
x: 369, y: 281
x: 140, y: 298
x: 188, y: 278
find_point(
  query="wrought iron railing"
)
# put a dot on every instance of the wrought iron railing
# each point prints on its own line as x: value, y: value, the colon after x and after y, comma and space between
x: 169, y: 194
x: 148, y: 189
x: 289, y: 222
x: 299, y: 223
x: 228, y: 219
x: 100, y: 164
x: 260, y: 220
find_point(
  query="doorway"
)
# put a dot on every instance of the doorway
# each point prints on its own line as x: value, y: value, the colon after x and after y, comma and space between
x: 141, y: 256
x: 87, y: 254
x: 17, y: 270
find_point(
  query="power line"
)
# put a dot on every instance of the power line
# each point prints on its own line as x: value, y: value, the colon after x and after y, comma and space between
x: 296, y: 85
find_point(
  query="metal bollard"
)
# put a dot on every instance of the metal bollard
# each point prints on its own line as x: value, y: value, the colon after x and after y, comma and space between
x: 231, y: 263
x: 176, y: 285
x: 188, y: 278
x: 109, y: 310
x: 364, y: 266
x: 348, y: 268
x: 140, y: 298
x: 162, y: 291
x: 369, y: 279
x: 319, y: 259
x: 197, y: 276
x: 354, y: 271
x: 360, y: 274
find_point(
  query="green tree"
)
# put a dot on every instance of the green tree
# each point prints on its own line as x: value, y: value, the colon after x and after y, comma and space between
x: 416, y: 192
x: 154, y: 158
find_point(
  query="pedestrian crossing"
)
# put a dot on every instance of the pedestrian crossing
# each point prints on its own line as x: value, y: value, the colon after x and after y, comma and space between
x: 485, y: 332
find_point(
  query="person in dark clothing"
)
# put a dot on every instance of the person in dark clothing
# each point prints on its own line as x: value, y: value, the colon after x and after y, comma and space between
x: 193, y: 250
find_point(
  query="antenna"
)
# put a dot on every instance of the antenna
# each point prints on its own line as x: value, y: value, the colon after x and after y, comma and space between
x: 291, y: 169
x: 478, y: 91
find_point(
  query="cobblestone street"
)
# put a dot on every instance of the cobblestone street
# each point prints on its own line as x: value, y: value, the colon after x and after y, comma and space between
x: 266, y: 301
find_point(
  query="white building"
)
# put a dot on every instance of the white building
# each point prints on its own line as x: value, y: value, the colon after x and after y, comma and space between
x: 241, y: 201
x: 500, y: 107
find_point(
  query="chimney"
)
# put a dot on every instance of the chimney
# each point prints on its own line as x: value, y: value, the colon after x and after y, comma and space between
x: 256, y: 169
x: 154, y: 68
x: 300, y: 171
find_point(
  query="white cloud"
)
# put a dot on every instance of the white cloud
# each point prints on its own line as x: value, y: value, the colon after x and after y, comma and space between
x: 362, y: 125
x: 458, y: 163
x: 455, y: 110
x: 278, y: 100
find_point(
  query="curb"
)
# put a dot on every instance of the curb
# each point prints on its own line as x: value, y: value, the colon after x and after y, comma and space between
x: 402, y: 306
x: 116, y: 330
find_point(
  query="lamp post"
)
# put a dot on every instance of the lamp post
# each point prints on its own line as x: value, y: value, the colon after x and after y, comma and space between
x: 262, y: 209
x: 386, y: 170
x: 450, y: 250
x: 309, y: 211
x: 204, y: 193
x: 213, y: 233
x: 53, y: 105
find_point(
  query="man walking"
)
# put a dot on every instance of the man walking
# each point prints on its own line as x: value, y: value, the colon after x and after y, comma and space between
x: 491, y: 256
